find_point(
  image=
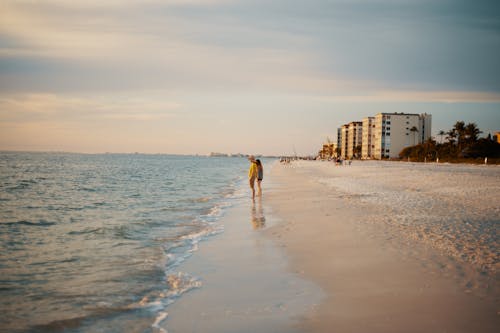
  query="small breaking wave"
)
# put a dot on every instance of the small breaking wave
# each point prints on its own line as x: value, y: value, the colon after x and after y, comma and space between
x: 40, y: 223
x: 179, y: 249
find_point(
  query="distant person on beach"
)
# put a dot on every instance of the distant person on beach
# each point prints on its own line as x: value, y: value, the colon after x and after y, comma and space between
x: 252, y: 174
x: 260, y: 176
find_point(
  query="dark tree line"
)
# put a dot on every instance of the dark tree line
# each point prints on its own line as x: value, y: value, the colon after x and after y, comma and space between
x: 460, y: 143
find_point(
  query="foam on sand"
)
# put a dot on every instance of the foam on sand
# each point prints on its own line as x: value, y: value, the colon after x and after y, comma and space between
x: 245, y: 284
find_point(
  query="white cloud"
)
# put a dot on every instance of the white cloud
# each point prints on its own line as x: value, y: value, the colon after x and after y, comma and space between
x: 27, y: 108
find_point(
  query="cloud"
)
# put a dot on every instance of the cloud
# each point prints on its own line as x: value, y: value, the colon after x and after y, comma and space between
x: 276, y: 45
x: 29, y: 108
x: 56, y: 51
x: 408, y: 96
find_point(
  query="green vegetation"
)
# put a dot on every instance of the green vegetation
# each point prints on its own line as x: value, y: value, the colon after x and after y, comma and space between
x: 462, y: 144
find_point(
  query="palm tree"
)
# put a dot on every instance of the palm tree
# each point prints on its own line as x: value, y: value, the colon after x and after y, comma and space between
x: 459, y: 129
x: 414, y: 129
x: 451, y: 136
x: 472, y: 133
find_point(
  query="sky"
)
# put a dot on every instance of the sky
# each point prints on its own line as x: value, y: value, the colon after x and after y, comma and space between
x: 238, y: 76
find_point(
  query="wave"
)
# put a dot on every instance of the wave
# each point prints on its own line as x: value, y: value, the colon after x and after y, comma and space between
x: 179, y: 249
x: 199, y: 200
x: 85, y: 231
x: 40, y: 223
x: 22, y: 184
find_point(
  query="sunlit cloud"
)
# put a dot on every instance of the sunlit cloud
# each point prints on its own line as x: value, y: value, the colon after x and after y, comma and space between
x: 398, y: 96
x: 50, y: 107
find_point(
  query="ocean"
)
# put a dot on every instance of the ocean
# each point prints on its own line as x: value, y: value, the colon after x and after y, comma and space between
x: 93, y: 243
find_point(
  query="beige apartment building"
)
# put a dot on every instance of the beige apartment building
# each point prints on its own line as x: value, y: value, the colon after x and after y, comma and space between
x: 342, y: 140
x: 368, y: 140
x: 354, y: 138
x: 392, y: 132
x: 349, y: 138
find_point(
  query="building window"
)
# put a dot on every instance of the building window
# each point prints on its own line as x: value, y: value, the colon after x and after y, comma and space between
x: 388, y: 123
x: 388, y: 134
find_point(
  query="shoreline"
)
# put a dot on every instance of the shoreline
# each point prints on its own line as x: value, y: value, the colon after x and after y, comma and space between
x: 245, y: 281
x: 375, y: 280
x: 317, y: 254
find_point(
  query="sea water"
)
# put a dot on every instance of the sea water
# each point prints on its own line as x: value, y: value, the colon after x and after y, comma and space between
x: 94, y: 242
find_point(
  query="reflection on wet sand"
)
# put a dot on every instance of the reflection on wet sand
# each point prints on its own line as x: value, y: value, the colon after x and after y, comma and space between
x: 258, y: 218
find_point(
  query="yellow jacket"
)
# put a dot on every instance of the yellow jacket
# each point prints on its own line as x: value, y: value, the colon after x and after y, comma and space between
x: 252, y: 171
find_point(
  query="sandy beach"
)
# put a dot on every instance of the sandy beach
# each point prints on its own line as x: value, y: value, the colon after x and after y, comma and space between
x: 372, y: 247
x: 374, y: 237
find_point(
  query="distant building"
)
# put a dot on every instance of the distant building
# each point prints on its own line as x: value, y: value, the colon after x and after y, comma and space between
x: 395, y: 131
x: 339, y: 141
x: 344, y: 130
x: 354, y: 137
x: 383, y: 136
x: 349, y: 138
x: 367, y: 142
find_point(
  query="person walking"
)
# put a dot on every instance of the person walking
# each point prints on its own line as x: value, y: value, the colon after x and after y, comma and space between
x: 252, y: 174
x: 260, y: 176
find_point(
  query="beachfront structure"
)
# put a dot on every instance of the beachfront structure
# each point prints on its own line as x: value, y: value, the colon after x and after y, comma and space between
x: 383, y: 136
x: 367, y: 141
x: 339, y: 141
x: 395, y: 131
x: 349, y: 138
x: 342, y: 140
x: 354, y: 137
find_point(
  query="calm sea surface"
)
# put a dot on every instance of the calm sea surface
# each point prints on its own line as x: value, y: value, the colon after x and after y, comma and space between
x: 93, y: 242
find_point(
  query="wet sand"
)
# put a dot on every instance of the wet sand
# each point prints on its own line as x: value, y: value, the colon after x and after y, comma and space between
x: 376, y: 278
x: 246, y: 284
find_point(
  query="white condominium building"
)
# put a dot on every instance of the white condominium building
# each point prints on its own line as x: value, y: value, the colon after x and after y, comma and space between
x: 395, y: 131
